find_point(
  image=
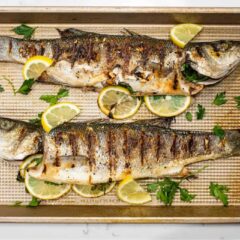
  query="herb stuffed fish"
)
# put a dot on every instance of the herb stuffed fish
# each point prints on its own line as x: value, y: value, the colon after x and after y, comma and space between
x: 149, y: 66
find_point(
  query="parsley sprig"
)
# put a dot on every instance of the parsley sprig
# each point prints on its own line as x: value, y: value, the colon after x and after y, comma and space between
x: 26, y: 87
x: 1, y: 88
x: 53, y: 99
x: 200, y: 112
x: 167, y: 189
x: 218, y: 131
x: 36, y: 121
x: 24, y: 30
x: 219, y: 192
x: 237, y: 100
x: 191, y: 75
x: 220, y: 99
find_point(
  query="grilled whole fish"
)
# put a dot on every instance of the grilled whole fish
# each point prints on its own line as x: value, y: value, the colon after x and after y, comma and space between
x: 18, y: 139
x: 91, y: 153
x: 149, y: 66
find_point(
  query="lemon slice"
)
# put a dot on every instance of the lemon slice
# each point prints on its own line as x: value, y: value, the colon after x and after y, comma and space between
x: 29, y: 162
x: 92, y: 191
x: 167, y: 106
x: 131, y: 192
x: 116, y: 102
x: 35, y: 66
x: 181, y: 34
x: 58, y: 114
x: 45, y: 190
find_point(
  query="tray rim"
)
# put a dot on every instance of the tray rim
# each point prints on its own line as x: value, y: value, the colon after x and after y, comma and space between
x: 15, y: 215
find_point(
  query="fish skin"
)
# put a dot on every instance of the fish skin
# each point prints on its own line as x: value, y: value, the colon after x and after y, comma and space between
x: 92, y: 153
x: 18, y: 139
x: 150, y: 66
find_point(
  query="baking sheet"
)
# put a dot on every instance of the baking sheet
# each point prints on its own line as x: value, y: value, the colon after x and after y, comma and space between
x: 225, y: 171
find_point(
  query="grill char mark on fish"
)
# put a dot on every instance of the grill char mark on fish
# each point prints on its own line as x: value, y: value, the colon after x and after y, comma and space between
x: 164, y: 152
x: 92, y: 61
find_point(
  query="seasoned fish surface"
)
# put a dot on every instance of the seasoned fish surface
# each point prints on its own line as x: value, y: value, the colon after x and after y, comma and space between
x: 150, y: 66
x: 18, y: 139
x: 90, y: 153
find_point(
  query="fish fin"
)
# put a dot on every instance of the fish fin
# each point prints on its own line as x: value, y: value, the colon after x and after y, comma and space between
x: 159, y: 122
x: 130, y: 32
x: 72, y: 32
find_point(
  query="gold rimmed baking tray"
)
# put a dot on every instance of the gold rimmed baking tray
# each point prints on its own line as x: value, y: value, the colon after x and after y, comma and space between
x: 220, y: 23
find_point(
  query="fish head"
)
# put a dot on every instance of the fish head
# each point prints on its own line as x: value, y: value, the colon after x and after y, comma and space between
x: 6, y: 126
x: 215, y: 60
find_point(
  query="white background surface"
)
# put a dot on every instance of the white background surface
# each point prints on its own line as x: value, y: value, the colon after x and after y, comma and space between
x: 120, y: 231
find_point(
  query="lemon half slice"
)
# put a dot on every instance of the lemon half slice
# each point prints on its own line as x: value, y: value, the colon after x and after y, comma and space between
x: 131, y: 192
x: 167, y: 106
x: 92, y: 191
x: 116, y: 102
x: 57, y: 114
x: 181, y: 34
x: 35, y: 66
x: 45, y: 190
x: 29, y: 162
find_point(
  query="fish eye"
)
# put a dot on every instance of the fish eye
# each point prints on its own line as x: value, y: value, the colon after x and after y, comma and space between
x: 6, y: 125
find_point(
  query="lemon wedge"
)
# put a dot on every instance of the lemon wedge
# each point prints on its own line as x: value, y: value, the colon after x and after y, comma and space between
x: 35, y: 66
x: 57, y: 114
x: 181, y: 34
x: 131, y: 192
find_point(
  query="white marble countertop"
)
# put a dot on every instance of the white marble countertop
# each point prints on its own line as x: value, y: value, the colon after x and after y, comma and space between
x: 120, y: 231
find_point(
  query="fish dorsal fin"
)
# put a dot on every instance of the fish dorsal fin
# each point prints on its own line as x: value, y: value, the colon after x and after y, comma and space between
x: 73, y: 32
x: 159, y: 122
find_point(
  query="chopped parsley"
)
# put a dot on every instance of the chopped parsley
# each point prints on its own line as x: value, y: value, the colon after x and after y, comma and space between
x: 218, y: 131
x: 53, y: 99
x: 36, y: 121
x: 220, y: 99
x: 200, y: 112
x: 192, y: 75
x: 24, y: 30
x: 1, y: 88
x: 237, y: 100
x: 35, y: 202
x: 219, y: 192
x: 26, y: 87
x: 188, y: 116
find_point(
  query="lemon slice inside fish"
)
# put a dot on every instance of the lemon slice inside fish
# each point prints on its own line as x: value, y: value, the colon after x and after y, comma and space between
x: 116, y: 102
x: 167, y: 106
x: 181, y: 34
x: 131, y: 192
x: 29, y: 162
x: 35, y: 66
x: 57, y: 114
x: 93, y: 191
x: 45, y: 190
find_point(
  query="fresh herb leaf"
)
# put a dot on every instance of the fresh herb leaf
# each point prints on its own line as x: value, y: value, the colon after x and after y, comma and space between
x: 52, y: 183
x: 218, y: 131
x: 200, y: 112
x: 152, y: 187
x: 10, y: 83
x: 185, y: 196
x: 127, y: 86
x: 237, y: 100
x: 24, y: 30
x: 26, y: 87
x: 17, y: 204
x: 53, y: 99
x: 19, y: 178
x: 36, y: 121
x: 219, y: 192
x: 1, y: 88
x: 220, y: 99
x: 188, y: 116
x: 191, y: 75
x: 34, y: 202
x: 167, y: 191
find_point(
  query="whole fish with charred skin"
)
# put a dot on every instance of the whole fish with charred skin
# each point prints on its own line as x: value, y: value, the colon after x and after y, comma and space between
x: 91, y: 153
x: 149, y: 66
